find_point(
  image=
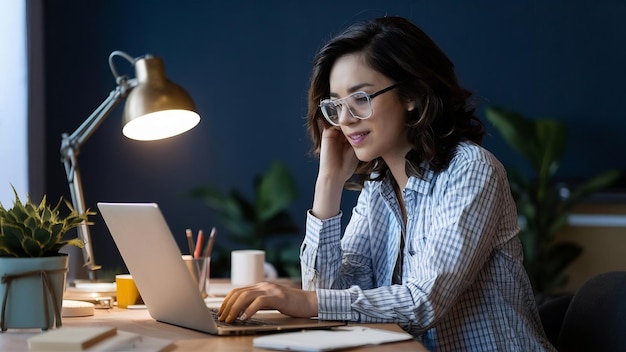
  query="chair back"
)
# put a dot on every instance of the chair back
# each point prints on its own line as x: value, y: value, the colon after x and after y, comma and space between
x: 552, y: 312
x: 595, y: 319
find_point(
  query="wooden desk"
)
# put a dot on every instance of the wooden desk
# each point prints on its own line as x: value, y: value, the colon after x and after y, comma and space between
x: 139, y: 321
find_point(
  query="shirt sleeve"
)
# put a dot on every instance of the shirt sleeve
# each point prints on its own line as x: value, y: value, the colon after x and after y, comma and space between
x: 322, y: 244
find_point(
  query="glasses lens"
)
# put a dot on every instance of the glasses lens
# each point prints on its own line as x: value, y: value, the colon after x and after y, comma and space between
x: 330, y: 111
x: 359, y: 105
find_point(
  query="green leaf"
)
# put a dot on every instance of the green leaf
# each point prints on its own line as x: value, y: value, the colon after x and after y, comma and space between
x: 516, y: 130
x: 31, y: 247
x: 217, y: 201
x: 58, y: 229
x: 246, y: 207
x: 10, y: 241
x: 592, y: 185
x: 551, y: 144
x: 556, y: 225
x: 275, y: 191
x: 6, y: 252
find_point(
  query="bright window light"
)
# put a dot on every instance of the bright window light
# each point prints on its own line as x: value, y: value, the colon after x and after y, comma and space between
x: 13, y: 101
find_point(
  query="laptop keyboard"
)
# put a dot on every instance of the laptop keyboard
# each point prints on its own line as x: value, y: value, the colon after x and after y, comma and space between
x: 239, y: 322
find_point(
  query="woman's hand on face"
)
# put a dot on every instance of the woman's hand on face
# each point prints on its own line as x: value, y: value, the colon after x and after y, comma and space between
x: 244, y: 302
x: 337, y: 157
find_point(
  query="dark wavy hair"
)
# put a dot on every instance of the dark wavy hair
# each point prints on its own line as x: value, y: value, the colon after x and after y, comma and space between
x: 398, y: 49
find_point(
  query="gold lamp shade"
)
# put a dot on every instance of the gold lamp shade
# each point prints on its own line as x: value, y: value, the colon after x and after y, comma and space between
x: 157, y: 108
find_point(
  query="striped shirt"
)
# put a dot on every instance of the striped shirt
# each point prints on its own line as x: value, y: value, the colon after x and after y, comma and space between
x: 464, y: 287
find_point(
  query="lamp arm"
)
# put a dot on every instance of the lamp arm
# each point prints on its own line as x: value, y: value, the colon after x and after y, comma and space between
x: 70, y: 148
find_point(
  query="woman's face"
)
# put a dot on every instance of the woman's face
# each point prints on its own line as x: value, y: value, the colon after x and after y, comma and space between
x: 384, y: 133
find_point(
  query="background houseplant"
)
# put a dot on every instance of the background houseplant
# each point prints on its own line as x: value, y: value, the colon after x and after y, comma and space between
x: 261, y: 223
x: 542, y: 206
x: 32, y: 269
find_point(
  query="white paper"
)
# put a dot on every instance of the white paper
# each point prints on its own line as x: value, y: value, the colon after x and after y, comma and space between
x: 328, y: 340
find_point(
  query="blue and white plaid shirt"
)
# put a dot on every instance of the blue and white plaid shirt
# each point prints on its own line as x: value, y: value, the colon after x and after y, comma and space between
x: 464, y: 287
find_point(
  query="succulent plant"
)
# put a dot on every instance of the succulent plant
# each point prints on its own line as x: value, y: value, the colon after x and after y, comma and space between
x: 29, y: 230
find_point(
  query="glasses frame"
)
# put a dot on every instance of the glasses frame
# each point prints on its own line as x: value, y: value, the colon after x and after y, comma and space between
x: 342, y: 101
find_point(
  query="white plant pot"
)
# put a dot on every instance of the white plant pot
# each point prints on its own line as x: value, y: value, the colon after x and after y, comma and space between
x: 25, y: 299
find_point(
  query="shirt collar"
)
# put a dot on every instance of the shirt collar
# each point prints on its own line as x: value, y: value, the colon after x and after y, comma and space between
x: 424, y: 183
x: 421, y: 184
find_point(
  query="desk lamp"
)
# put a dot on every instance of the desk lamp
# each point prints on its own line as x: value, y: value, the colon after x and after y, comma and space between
x: 155, y: 108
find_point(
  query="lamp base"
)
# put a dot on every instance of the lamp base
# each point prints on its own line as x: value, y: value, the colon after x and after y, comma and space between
x: 101, y: 294
x: 77, y: 309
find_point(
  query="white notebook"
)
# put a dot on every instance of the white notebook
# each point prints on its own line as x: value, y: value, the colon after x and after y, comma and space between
x: 328, y: 340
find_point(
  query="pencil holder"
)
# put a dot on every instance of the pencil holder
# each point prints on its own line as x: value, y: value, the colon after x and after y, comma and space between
x: 200, y: 270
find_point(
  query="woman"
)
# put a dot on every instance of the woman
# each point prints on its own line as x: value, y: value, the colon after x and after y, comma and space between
x: 432, y: 241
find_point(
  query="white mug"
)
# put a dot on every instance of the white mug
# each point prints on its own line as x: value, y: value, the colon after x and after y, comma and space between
x: 247, y: 266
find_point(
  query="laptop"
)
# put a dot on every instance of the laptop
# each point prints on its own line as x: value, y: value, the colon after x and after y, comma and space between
x: 167, y: 288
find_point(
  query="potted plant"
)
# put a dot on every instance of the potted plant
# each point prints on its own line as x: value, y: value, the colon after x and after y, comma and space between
x: 261, y: 223
x: 542, y: 205
x: 32, y: 270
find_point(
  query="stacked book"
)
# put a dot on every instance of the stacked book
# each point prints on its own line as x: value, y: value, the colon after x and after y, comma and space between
x: 96, y: 338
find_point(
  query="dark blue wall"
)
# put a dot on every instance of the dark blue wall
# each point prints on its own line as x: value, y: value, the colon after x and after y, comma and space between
x: 247, y: 63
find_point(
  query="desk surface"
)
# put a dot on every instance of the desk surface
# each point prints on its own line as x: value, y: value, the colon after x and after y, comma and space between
x: 139, y: 321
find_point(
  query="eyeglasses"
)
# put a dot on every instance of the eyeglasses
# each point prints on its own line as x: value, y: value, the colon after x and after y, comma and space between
x: 359, y: 104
